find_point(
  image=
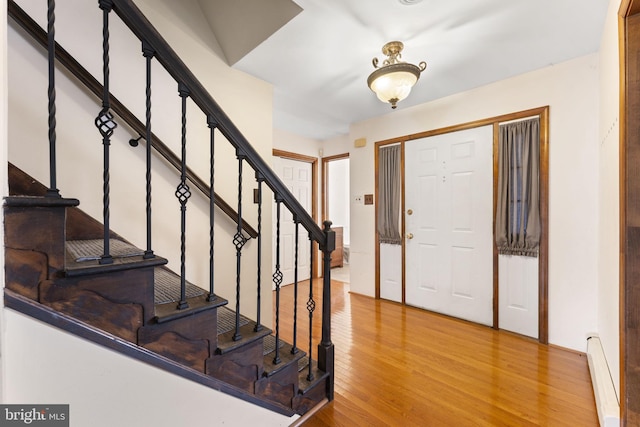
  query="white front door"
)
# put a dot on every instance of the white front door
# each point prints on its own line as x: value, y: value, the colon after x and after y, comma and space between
x: 448, y: 222
x: 296, y: 175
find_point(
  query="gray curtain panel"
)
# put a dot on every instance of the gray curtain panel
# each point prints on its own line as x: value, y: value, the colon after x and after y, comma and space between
x: 389, y: 195
x: 518, y: 211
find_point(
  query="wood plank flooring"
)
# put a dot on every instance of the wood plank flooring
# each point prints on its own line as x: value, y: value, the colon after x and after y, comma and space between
x: 401, y: 366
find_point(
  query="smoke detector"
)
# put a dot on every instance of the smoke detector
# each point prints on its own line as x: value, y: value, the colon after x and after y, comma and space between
x: 409, y: 2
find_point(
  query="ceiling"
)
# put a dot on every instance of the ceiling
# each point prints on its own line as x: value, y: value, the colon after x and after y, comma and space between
x: 318, y: 55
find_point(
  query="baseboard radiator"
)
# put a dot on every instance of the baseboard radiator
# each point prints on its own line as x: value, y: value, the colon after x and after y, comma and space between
x: 603, y: 389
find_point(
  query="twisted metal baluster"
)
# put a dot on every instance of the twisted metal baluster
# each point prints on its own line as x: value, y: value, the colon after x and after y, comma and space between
x: 212, y: 201
x: 183, y: 193
x: 239, y: 241
x: 277, y: 280
x: 311, y: 306
x: 148, y: 52
x: 106, y: 125
x: 294, y: 348
x: 52, y: 191
x: 260, y: 179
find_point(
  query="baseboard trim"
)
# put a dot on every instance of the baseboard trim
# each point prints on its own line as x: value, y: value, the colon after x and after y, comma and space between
x: 606, y: 399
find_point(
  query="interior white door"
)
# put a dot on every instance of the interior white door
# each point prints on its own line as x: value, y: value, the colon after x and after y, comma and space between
x: 448, y: 221
x: 296, y: 175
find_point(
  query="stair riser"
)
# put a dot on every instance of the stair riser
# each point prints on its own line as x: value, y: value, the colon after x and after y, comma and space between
x: 24, y: 271
x: 124, y: 287
x: 304, y: 403
x: 39, y: 229
x: 189, y: 340
x: 242, y: 367
x: 281, y: 387
x: 122, y: 320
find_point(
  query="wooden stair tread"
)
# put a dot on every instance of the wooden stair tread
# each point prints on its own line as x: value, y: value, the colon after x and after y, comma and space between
x: 169, y: 311
x: 76, y: 269
x: 249, y: 335
x: 304, y: 384
x: 79, y: 262
x: 286, y: 359
x: 40, y: 201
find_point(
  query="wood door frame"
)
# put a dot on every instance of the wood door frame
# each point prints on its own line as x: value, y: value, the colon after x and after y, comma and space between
x: 325, y: 182
x: 314, y: 192
x: 543, y: 256
x: 629, y: 48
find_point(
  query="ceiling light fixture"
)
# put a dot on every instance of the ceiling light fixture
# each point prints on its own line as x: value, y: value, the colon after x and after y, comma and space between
x: 392, y: 82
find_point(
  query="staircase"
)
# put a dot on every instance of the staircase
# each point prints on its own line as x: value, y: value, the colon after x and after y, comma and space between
x: 68, y: 269
x: 134, y: 300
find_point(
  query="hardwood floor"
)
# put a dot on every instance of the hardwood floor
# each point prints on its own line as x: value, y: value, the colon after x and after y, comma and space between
x: 401, y: 366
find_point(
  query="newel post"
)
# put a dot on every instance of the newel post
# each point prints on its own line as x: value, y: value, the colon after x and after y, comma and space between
x: 325, y: 348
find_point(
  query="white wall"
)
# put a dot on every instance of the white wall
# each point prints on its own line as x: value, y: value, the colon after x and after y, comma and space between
x: 570, y: 89
x: 287, y: 141
x: 609, y: 207
x: 246, y: 100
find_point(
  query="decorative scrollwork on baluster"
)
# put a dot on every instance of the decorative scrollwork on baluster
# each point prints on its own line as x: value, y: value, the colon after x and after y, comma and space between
x: 239, y: 241
x: 277, y: 280
x: 311, y: 306
x: 183, y: 193
x: 106, y: 125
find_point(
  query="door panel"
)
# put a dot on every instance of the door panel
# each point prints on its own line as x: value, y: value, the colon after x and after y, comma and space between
x: 518, y: 294
x: 449, y: 246
x: 296, y: 175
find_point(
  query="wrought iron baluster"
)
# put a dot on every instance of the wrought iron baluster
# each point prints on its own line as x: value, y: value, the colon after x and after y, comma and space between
x: 52, y: 191
x: 239, y: 241
x: 106, y: 125
x: 183, y: 193
x: 211, y: 122
x: 294, y: 348
x: 311, y: 306
x: 148, y: 52
x: 260, y: 180
x: 277, y: 279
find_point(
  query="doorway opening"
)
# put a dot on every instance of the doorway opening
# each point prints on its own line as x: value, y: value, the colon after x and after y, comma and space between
x: 335, y: 208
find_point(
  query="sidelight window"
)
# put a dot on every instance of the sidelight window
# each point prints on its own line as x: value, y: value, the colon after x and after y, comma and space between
x: 518, y: 208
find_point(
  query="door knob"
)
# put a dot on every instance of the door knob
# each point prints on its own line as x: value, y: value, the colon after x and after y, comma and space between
x: 410, y: 212
x: 409, y: 236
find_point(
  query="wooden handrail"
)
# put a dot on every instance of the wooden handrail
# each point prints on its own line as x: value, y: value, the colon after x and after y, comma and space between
x: 85, y: 77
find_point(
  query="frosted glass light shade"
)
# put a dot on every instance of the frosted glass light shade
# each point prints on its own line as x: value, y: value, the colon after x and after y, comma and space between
x: 393, y: 81
x: 394, y: 86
